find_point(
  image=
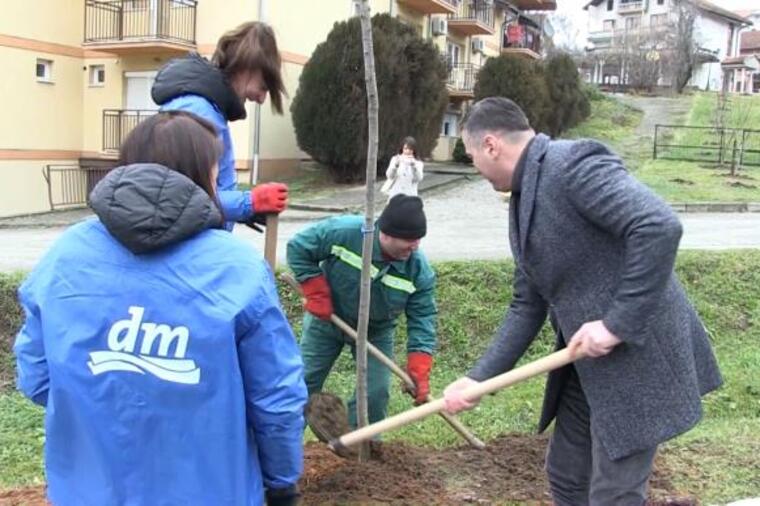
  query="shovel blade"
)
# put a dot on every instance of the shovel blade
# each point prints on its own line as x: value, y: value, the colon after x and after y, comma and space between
x: 328, y: 420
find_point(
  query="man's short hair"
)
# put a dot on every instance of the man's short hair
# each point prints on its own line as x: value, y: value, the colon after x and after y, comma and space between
x: 495, y: 114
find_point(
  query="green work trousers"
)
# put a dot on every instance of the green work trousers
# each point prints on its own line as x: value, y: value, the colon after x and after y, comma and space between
x: 322, y: 343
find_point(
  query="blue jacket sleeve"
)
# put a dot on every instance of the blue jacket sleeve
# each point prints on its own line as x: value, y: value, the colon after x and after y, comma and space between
x: 236, y: 204
x: 275, y: 391
x: 33, y: 378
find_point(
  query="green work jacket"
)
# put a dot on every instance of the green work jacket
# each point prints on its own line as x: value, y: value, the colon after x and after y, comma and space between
x: 334, y: 246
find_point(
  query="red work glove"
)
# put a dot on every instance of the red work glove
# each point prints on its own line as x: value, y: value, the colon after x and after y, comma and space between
x: 269, y: 198
x: 318, y: 299
x: 418, y: 365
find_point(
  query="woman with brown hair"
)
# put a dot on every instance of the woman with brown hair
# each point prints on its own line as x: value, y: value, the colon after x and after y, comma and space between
x: 404, y: 172
x: 166, y: 380
x: 246, y: 66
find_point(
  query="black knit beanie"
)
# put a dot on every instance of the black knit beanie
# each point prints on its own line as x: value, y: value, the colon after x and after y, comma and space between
x: 404, y: 218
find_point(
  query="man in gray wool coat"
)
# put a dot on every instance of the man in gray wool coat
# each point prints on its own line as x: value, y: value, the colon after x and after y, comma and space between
x: 594, y: 249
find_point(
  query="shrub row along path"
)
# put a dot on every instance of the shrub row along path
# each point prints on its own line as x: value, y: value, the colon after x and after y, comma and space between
x: 465, y: 222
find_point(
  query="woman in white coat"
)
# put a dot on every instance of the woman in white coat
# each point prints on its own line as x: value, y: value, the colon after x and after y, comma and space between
x: 404, y: 173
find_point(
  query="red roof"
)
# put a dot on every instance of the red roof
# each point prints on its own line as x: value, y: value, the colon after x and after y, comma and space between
x: 747, y: 13
x: 750, y: 41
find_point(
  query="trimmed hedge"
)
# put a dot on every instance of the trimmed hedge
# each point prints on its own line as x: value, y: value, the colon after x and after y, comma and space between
x: 551, y: 94
x: 330, y: 107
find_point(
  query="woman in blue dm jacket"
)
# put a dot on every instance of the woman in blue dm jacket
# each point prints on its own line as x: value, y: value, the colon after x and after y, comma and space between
x: 165, y: 378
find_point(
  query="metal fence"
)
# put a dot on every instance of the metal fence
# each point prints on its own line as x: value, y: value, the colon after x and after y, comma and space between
x: 117, y: 123
x: 719, y: 146
x: 70, y: 185
x: 462, y: 76
x: 135, y: 20
x: 476, y: 11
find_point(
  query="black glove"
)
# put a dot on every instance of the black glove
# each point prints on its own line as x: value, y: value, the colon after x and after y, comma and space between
x: 256, y: 222
x: 287, y: 496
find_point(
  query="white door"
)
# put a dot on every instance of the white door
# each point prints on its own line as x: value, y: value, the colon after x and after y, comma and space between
x: 138, y: 90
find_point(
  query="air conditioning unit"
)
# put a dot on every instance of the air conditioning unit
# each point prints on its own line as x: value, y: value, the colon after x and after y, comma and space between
x: 478, y: 45
x: 439, y: 26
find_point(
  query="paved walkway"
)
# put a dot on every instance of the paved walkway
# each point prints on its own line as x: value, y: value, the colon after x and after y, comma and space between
x: 466, y: 221
x: 657, y: 110
x: 438, y: 176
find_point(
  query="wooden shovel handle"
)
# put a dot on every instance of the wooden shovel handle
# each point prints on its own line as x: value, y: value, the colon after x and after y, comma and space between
x: 395, y: 369
x: 270, y: 240
x: 543, y: 365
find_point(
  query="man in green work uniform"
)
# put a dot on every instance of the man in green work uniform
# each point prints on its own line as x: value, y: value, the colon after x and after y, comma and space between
x: 326, y: 260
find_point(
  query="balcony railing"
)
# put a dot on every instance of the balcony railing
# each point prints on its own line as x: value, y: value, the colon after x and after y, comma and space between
x: 70, y: 185
x: 535, y: 5
x: 431, y: 6
x: 461, y: 80
x: 473, y: 17
x: 621, y: 36
x: 628, y: 7
x: 517, y: 37
x: 117, y: 123
x: 110, y: 21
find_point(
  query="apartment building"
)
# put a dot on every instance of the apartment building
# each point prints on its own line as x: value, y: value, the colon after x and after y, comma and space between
x: 79, y: 74
x: 717, y: 33
x: 470, y: 32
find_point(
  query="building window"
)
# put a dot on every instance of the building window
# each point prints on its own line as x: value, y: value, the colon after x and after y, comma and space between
x: 449, y: 125
x: 452, y: 53
x: 660, y: 2
x: 608, y: 25
x: 97, y: 75
x: 610, y: 4
x: 44, y: 70
x: 658, y: 19
x: 632, y: 22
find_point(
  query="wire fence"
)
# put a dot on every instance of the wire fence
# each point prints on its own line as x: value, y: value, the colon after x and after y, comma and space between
x: 712, y: 145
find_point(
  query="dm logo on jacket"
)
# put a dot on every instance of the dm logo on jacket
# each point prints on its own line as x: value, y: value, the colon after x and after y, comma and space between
x: 125, y: 356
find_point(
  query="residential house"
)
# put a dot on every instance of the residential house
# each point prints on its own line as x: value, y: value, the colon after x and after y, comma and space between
x: 750, y: 43
x: 753, y: 15
x: 649, y: 25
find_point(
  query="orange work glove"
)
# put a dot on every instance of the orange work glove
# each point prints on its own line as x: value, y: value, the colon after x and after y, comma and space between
x: 418, y: 366
x: 316, y: 290
x: 269, y: 198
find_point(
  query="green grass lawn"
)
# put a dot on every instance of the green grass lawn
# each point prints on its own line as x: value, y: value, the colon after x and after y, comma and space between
x: 677, y: 181
x: 706, y: 181
x: 611, y: 122
x: 743, y: 111
x: 718, y: 461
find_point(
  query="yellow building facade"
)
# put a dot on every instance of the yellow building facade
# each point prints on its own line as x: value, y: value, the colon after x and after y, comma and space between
x: 78, y: 76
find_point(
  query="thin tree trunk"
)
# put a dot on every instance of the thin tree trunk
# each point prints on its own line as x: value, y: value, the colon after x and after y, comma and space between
x: 369, y: 222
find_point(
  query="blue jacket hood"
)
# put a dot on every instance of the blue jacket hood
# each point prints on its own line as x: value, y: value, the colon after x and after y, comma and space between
x: 193, y: 74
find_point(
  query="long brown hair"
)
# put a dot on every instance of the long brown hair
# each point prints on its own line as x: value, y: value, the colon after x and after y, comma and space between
x: 409, y: 141
x: 252, y: 46
x: 178, y: 140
